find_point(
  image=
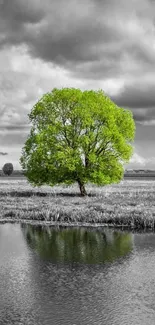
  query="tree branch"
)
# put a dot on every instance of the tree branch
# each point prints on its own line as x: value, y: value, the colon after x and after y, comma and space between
x: 101, y: 149
x: 65, y: 133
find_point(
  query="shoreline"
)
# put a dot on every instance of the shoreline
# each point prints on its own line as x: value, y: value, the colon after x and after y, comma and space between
x: 96, y: 226
x: 61, y: 224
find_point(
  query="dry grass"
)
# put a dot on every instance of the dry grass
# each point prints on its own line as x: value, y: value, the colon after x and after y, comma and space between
x: 130, y: 204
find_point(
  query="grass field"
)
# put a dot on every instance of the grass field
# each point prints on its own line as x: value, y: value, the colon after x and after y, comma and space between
x: 130, y: 204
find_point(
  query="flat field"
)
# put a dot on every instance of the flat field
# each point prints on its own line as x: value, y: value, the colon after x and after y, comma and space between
x: 128, y: 204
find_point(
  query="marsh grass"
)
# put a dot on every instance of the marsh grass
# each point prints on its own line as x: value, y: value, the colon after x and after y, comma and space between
x: 128, y: 204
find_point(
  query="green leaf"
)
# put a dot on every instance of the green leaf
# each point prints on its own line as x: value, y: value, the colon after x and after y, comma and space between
x: 77, y: 136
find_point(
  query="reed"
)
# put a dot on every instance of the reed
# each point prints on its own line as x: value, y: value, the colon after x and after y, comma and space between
x: 128, y: 204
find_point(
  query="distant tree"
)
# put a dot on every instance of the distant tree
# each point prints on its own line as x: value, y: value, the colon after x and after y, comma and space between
x: 8, y: 169
x: 77, y: 136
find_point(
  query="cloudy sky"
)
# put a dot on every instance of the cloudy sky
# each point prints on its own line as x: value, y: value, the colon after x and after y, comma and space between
x: 90, y: 44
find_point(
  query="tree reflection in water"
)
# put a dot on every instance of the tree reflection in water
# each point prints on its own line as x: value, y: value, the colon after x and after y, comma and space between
x: 77, y: 244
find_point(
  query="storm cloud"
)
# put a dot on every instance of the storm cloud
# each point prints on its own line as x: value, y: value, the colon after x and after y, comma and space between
x: 92, y: 40
x: 140, y: 99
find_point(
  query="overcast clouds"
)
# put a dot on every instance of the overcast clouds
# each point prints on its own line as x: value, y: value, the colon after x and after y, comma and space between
x: 107, y: 44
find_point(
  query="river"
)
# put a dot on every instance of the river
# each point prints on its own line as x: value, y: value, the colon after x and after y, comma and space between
x: 76, y: 276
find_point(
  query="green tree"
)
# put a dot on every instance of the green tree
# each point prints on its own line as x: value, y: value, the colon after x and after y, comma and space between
x: 77, y: 136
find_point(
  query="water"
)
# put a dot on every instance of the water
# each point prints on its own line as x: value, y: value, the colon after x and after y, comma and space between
x: 76, y: 276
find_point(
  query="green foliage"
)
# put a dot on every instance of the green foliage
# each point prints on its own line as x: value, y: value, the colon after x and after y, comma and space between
x: 77, y: 245
x: 77, y: 136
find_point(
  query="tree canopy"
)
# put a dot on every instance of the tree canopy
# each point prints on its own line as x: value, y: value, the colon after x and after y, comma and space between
x: 77, y: 136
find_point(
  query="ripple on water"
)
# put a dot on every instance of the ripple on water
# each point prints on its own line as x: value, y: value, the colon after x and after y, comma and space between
x: 36, y: 289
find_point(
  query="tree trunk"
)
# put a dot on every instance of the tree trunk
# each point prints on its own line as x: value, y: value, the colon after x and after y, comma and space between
x: 82, y: 188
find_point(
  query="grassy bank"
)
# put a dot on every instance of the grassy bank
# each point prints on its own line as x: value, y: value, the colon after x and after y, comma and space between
x: 128, y: 204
